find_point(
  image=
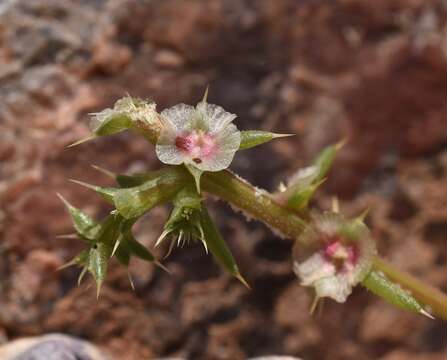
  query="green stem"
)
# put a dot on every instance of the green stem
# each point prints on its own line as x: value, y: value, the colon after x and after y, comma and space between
x: 425, y: 294
x: 262, y: 206
x: 253, y: 202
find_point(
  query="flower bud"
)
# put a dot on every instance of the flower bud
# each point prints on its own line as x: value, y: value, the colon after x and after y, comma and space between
x: 184, y: 224
x: 126, y: 113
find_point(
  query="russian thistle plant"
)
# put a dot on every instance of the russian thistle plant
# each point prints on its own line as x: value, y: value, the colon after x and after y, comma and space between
x: 332, y: 253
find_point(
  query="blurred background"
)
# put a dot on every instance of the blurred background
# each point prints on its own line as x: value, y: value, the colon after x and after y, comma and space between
x: 372, y: 71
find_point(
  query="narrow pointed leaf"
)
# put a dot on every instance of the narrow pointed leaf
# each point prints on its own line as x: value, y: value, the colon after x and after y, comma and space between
x: 127, y: 113
x: 300, y: 199
x: 252, y: 138
x: 325, y: 159
x: 218, y: 247
x: 380, y: 285
x: 134, y: 247
x: 305, y: 182
x: 82, y: 222
x: 113, y: 123
x: 123, y: 255
x: 107, y: 193
x: 98, y: 260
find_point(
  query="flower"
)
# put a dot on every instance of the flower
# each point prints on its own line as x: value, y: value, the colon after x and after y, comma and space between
x: 125, y: 112
x: 203, y: 137
x: 333, y: 255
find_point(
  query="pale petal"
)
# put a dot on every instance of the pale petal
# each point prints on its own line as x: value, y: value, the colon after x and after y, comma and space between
x: 227, y: 143
x: 313, y: 269
x: 214, y: 117
x: 179, y: 117
x: 169, y: 154
x: 336, y: 287
x: 316, y: 270
x: 166, y: 150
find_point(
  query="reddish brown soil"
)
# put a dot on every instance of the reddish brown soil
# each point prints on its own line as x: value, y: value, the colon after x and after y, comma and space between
x: 372, y: 71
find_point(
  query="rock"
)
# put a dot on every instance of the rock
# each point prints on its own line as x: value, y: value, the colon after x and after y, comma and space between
x: 50, y: 347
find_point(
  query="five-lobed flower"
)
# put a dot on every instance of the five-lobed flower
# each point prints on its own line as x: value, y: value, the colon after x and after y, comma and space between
x: 333, y: 255
x: 202, y: 137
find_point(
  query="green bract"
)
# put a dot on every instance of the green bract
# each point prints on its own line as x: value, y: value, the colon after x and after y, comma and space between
x: 252, y: 138
x: 110, y: 237
x: 124, y: 114
x: 378, y: 283
x: 303, y: 184
x: 184, y: 224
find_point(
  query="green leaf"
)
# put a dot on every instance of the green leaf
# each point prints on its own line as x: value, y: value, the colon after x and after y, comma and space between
x: 303, y: 185
x: 134, y: 202
x: 123, y: 116
x: 380, y: 285
x: 98, y: 260
x: 113, y: 123
x: 127, y: 113
x: 218, y: 247
x: 110, y: 229
x: 82, y: 222
x: 106, y: 193
x: 123, y: 255
x: 300, y: 199
x: 252, y: 138
x: 325, y: 159
x: 135, y: 248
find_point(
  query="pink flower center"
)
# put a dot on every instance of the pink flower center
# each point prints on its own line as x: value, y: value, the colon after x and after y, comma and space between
x: 344, y: 257
x: 196, y: 144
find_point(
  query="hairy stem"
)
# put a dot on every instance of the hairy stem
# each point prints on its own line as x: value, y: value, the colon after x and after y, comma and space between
x: 262, y: 206
x: 253, y: 202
